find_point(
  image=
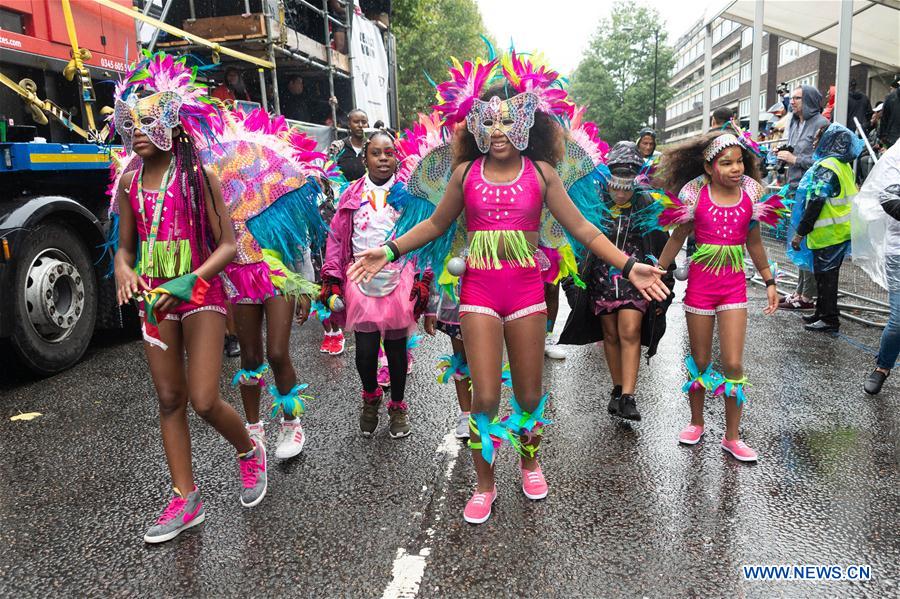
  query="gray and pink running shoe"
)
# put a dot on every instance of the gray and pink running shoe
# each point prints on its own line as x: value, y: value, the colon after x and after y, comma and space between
x: 181, y: 514
x: 253, y: 475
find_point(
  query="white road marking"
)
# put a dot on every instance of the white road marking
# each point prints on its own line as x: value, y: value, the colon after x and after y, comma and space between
x: 409, y: 568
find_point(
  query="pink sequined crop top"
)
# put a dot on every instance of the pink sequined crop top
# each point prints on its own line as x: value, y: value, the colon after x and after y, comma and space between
x: 175, y: 252
x: 722, y: 225
x: 512, y: 206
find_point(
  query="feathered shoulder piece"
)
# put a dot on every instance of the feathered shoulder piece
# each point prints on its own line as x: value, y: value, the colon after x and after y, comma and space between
x: 771, y: 208
x: 677, y: 210
x: 456, y: 96
x: 584, y: 174
x: 426, y: 164
x: 269, y: 174
x: 426, y: 142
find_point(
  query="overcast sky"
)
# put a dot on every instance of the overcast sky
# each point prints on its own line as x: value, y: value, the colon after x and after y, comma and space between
x: 563, y: 31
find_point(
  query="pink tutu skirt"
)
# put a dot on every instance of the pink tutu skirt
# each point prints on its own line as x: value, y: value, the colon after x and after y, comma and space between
x: 391, y: 315
x: 248, y: 283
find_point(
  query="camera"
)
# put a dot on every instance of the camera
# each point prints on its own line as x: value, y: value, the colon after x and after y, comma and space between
x: 772, y: 162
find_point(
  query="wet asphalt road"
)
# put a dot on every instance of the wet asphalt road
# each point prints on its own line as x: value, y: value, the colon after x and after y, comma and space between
x: 630, y: 512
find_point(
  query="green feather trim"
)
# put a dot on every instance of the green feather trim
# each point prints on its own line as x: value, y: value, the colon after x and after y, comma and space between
x: 716, y: 257
x: 484, y: 249
x: 171, y: 259
x: 292, y: 285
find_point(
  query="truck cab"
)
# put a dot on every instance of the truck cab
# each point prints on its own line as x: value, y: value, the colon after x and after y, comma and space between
x: 54, y: 288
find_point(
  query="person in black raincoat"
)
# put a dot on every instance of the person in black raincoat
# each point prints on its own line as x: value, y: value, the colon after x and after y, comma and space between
x: 609, y: 308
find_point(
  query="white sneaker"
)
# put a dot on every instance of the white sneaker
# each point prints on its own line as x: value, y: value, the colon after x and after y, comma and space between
x: 554, y: 352
x: 257, y: 432
x: 462, y: 426
x: 290, y: 440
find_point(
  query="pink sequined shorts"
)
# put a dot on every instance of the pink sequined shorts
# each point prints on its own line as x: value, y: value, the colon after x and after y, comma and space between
x: 505, y: 293
x: 709, y: 292
x: 214, y: 300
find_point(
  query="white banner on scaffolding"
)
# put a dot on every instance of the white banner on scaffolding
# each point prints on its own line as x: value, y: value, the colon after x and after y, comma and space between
x: 370, y: 70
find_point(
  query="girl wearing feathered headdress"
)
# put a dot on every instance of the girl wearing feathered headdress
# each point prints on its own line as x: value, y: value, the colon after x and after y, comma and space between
x: 175, y: 237
x: 507, y: 144
x: 721, y: 202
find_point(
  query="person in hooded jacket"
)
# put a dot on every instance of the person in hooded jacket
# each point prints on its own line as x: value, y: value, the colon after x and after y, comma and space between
x: 826, y: 189
x: 858, y: 106
x: 646, y: 144
x: 806, y: 120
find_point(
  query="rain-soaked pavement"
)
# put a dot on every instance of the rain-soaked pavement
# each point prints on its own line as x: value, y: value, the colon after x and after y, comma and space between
x: 630, y: 512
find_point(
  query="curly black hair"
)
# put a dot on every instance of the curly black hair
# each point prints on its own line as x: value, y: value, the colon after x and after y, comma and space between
x: 545, y: 138
x: 685, y: 162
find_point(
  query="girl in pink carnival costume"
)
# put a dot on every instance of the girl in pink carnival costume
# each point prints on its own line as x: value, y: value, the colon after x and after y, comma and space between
x: 268, y: 173
x: 174, y: 237
x: 503, y: 176
x: 721, y: 202
x: 382, y: 309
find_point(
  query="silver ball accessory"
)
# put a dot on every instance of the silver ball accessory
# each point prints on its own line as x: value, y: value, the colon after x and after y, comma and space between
x: 681, y: 273
x: 456, y: 266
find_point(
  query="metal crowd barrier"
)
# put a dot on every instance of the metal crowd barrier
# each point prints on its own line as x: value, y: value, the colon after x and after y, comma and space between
x: 855, y: 284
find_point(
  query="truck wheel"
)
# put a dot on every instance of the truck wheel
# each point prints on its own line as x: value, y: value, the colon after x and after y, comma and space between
x: 55, y: 304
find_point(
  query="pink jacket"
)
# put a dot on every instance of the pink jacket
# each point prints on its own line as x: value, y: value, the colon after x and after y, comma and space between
x: 338, y: 249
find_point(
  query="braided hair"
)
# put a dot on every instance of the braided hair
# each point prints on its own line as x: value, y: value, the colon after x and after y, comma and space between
x: 378, y: 132
x: 194, y: 182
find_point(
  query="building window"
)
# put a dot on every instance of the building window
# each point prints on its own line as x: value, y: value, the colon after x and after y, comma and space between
x: 746, y: 37
x: 744, y: 108
x: 764, y: 67
x: 790, y: 50
x: 745, y: 72
x: 809, y: 79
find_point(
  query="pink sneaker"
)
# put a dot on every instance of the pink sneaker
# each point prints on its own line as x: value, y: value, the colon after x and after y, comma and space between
x: 533, y: 484
x: 739, y: 450
x: 691, y: 434
x: 384, y: 377
x: 337, y: 341
x: 478, y: 509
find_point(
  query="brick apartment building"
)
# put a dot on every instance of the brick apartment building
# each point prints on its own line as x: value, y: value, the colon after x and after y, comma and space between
x: 783, y: 60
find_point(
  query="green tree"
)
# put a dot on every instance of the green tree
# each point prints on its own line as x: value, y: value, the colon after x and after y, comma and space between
x: 428, y: 33
x: 615, y: 75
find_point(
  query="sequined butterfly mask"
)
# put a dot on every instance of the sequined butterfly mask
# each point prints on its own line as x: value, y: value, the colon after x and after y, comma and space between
x: 513, y: 117
x: 153, y: 115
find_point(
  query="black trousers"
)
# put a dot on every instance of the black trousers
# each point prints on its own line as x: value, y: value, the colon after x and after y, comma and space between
x: 367, y: 362
x: 827, y: 268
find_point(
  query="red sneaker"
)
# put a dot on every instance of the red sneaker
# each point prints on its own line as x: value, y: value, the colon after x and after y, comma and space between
x: 337, y: 341
x: 327, y: 344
